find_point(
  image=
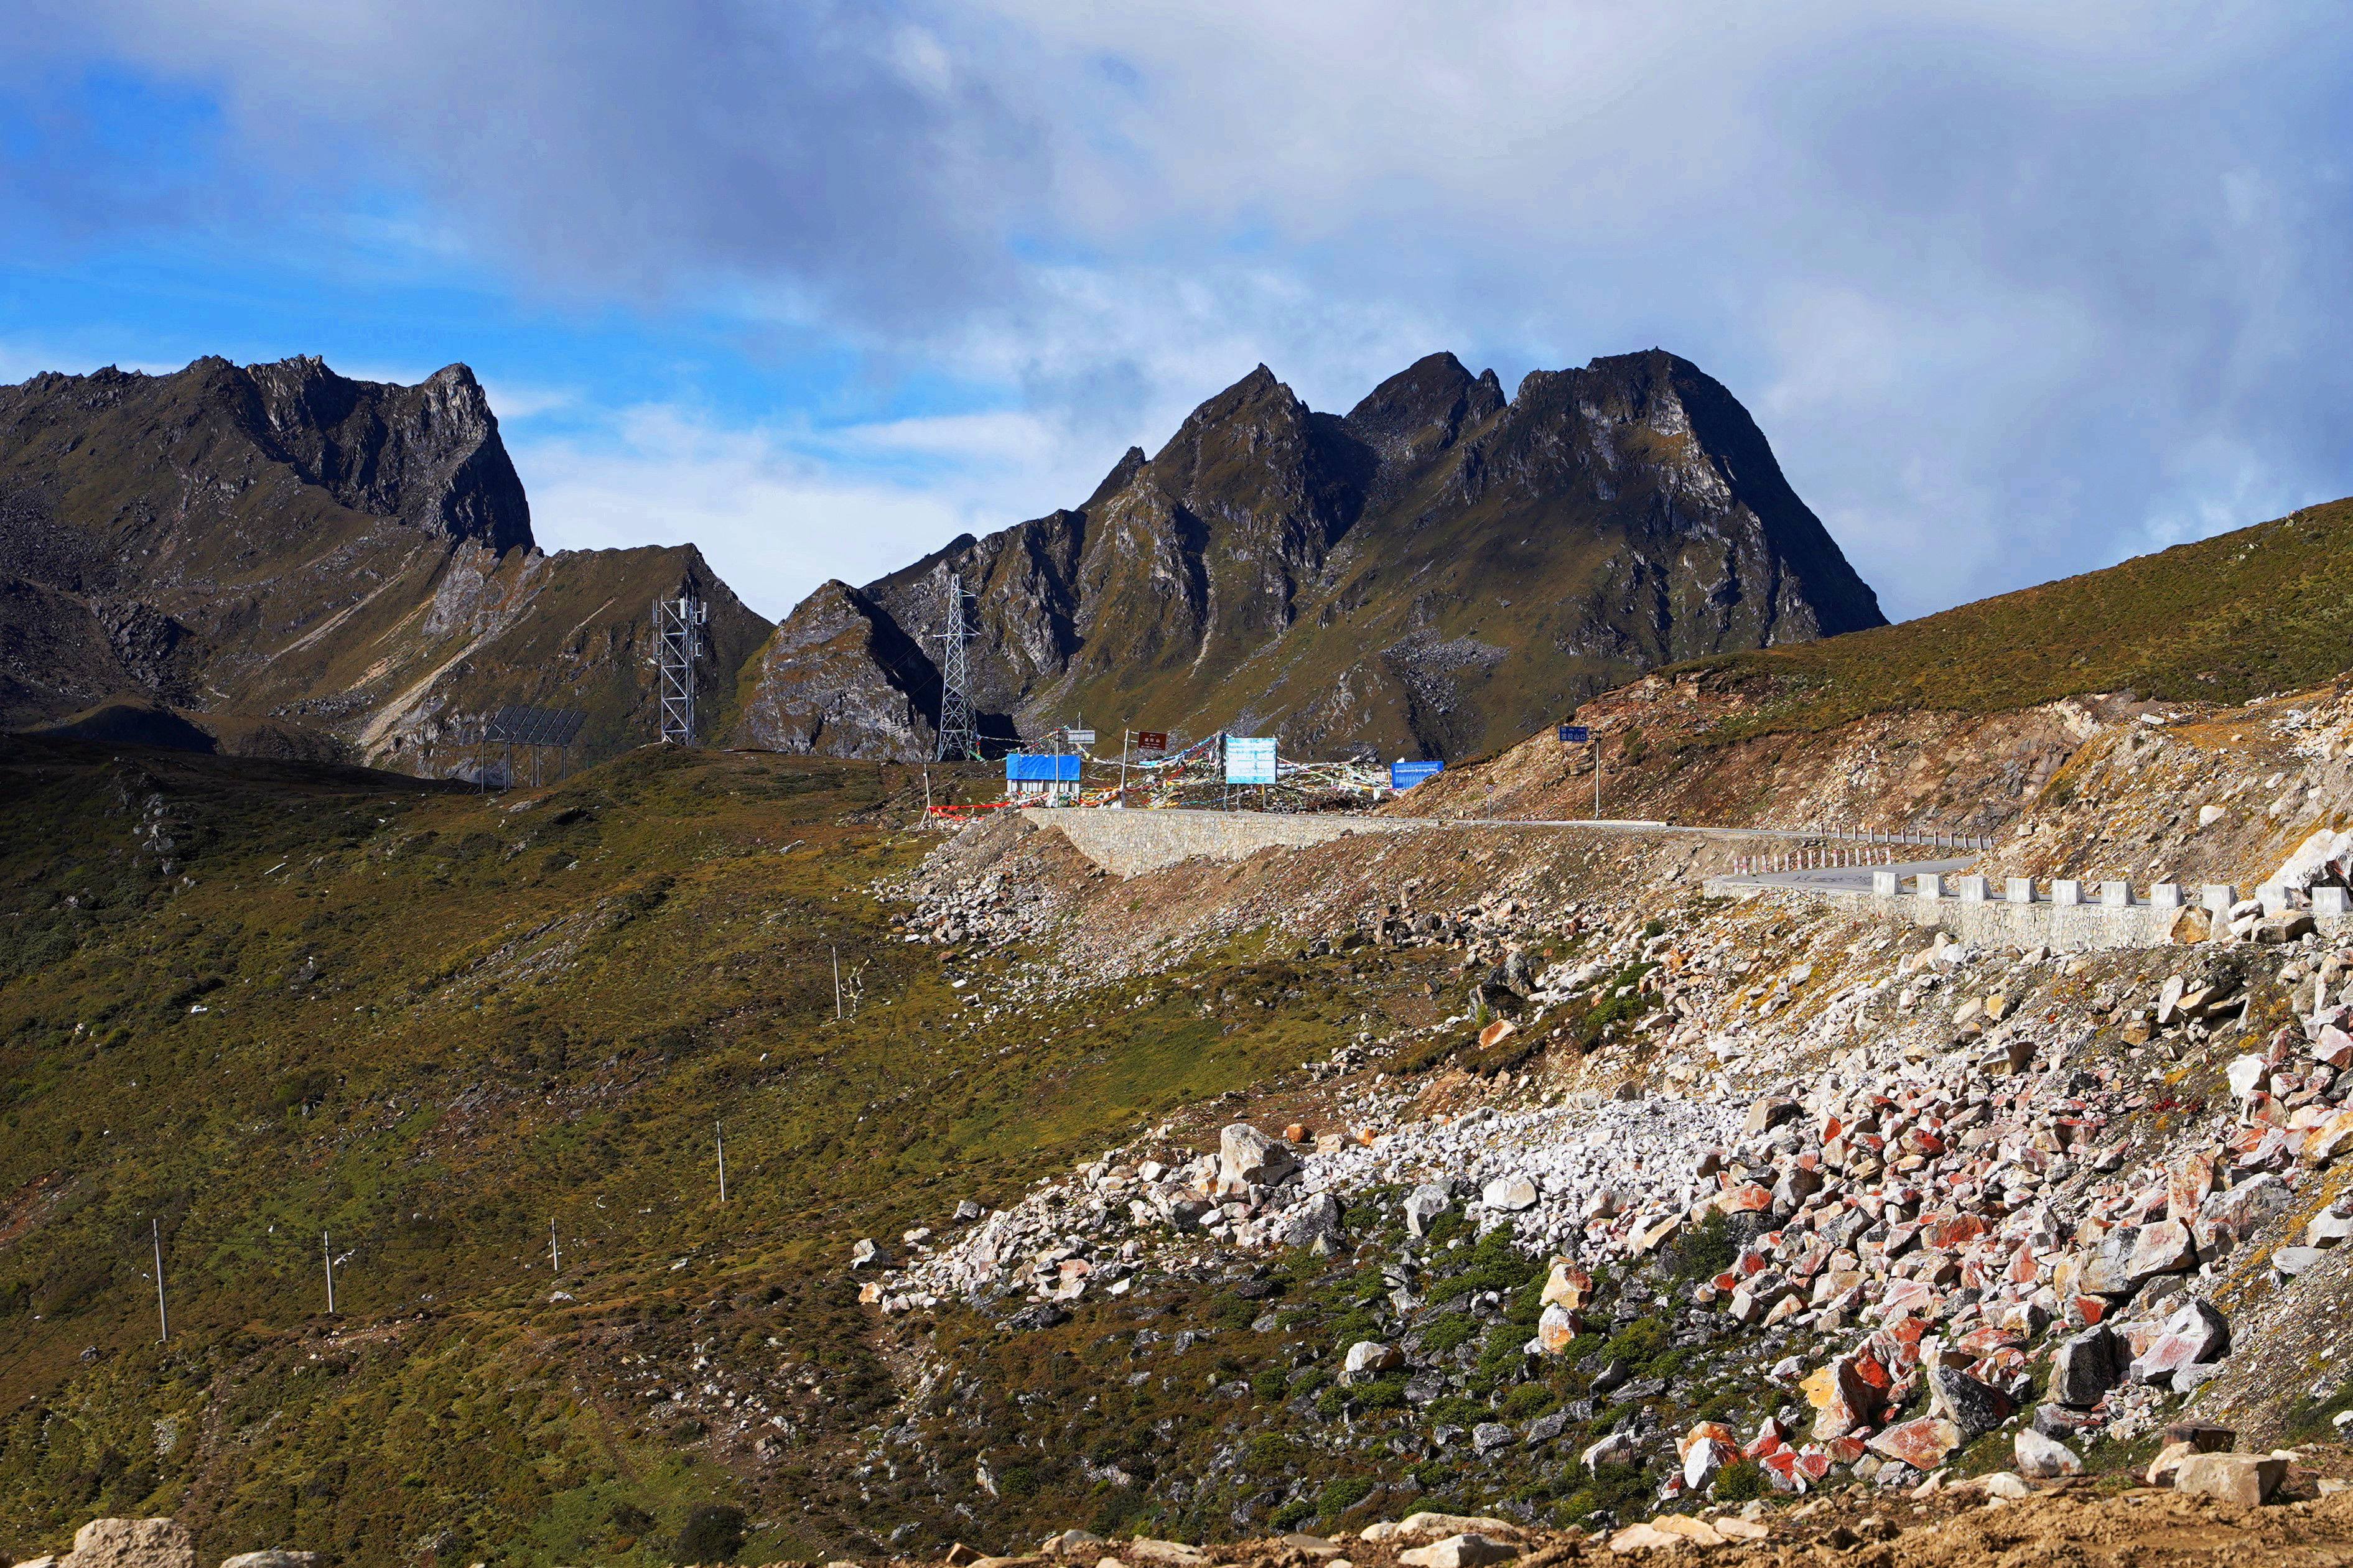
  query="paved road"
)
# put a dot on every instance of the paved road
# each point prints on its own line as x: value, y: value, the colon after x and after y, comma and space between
x: 1633, y: 825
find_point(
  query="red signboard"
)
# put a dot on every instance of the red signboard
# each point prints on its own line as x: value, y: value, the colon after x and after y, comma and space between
x: 1151, y: 741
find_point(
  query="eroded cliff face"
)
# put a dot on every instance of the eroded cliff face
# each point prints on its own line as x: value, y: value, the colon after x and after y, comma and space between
x: 1436, y: 573
x: 278, y: 541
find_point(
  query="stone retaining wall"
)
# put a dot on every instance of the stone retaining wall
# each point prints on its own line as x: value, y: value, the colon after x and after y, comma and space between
x: 1127, y: 843
x: 1991, y: 921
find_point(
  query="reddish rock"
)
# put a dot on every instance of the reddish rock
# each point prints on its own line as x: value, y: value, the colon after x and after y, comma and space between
x: 1746, y: 1199
x: 1847, y: 1394
x: 1921, y: 1443
x: 2188, y: 1181
x: 2165, y: 1248
x: 1955, y: 1230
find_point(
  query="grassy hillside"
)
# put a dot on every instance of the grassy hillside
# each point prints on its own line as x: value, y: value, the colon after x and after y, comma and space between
x: 249, y: 1002
x: 2263, y: 609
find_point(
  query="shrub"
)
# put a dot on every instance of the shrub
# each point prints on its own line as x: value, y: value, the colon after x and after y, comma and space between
x: 1269, y: 1387
x: 1389, y: 1393
x: 713, y: 1532
x: 1739, y: 1482
x: 1527, y: 1402
x: 1344, y: 1493
x: 1268, y: 1451
x: 1639, y: 1343
x: 1705, y: 1249
x: 1451, y: 1331
x: 1295, y: 1512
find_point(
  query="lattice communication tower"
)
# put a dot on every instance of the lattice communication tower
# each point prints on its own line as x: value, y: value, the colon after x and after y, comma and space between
x: 678, y: 643
x: 959, y: 741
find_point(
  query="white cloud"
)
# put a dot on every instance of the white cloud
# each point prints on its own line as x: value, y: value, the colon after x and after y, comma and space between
x: 2012, y: 287
x: 778, y: 510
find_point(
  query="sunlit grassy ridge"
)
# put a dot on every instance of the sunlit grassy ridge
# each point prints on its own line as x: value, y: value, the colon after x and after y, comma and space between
x: 2261, y: 609
x: 429, y: 1025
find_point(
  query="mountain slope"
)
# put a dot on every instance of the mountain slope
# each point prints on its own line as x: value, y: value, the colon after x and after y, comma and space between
x: 1437, y: 571
x: 276, y: 540
x: 2258, y: 609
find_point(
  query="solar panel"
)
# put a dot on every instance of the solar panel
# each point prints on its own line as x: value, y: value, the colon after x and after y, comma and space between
x: 534, y: 726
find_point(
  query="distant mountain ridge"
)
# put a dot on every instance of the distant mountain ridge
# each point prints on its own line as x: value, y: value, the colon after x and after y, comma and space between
x: 278, y: 541
x: 1435, y: 573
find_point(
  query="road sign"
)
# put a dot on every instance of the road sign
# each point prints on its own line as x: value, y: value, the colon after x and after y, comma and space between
x: 1079, y: 737
x: 1151, y: 741
x: 1575, y: 734
x: 1405, y: 775
x: 1250, y: 759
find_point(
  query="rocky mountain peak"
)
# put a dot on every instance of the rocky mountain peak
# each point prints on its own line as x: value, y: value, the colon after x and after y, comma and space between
x: 1437, y: 571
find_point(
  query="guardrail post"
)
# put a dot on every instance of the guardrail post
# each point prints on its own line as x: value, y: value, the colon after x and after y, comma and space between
x: 2165, y: 895
x: 2330, y: 902
x: 1972, y: 889
x: 2116, y: 895
x: 2066, y: 891
x: 2019, y: 889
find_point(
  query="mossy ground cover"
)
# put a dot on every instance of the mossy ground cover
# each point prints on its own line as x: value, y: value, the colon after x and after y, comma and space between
x: 249, y: 1005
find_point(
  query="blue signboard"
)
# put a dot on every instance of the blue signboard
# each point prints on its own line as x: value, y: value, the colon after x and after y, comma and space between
x: 1032, y: 767
x: 1250, y: 759
x: 1405, y: 775
x: 1575, y: 734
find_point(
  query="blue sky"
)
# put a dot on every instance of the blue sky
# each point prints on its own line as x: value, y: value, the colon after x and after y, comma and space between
x: 2014, y: 290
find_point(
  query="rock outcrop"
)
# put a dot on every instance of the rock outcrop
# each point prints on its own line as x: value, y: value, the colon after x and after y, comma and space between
x: 277, y: 542
x: 1440, y: 571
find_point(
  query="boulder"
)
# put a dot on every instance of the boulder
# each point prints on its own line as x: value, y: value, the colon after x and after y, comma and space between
x: 1618, y: 1448
x: 275, y: 1557
x: 1144, y: 1549
x: 1316, y: 1219
x: 1845, y: 1395
x: 1701, y: 1461
x: 2244, y: 1480
x: 1247, y: 1157
x: 1428, y: 1526
x: 1568, y: 1287
x: 1644, y: 1538
x: 2086, y: 1366
x: 1554, y: 1329
x: 1424, y: 1205
x: 2293, y: 1260
x: 1975, y: 1407
x: 1510, y: 1193
x: 1470, y: 1551
x: 1921, y: 1444
x: 868, y: 1253
x: 2246, y: 1075
x: 2165, y: 1248
x: 1768, y: 1114
x: 2226, y: 1220
x: 2106, y: 1269
x: 2042, y: 1458
x: 133, y: 1543
x: 1368, y: 1359
x: 2326, y: 1139
x: 2196, y: 1334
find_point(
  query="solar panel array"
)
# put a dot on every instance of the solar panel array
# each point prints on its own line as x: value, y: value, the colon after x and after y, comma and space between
x: 534, y: 726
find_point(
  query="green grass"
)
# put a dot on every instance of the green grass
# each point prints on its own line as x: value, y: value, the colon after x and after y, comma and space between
x: 434, y: 1026
x: 2259, y: 610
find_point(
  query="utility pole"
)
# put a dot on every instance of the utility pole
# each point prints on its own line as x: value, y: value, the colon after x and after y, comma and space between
x: 678, y: 643
x: 836, y: 982
x: 721, y: 1132
x: 163, y: 1315
x: 1597, y: 778
x: 959, y: 741
x: 1123, y: 767
x: 328, y: 1252
x: 554, y: 1252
